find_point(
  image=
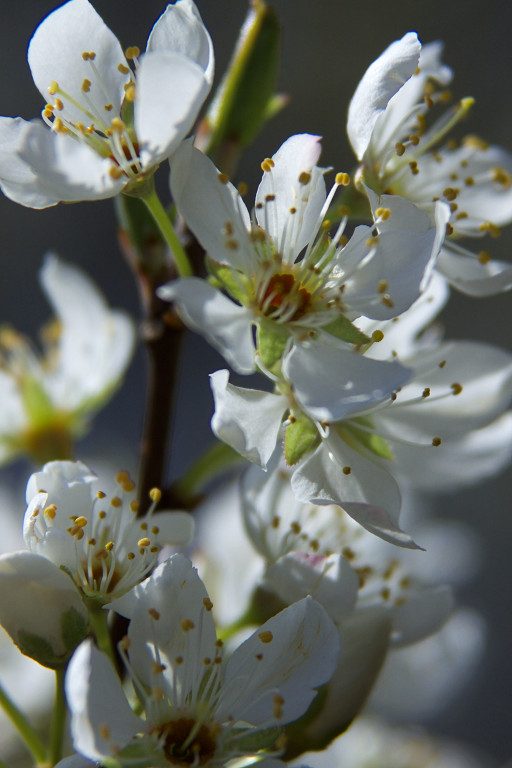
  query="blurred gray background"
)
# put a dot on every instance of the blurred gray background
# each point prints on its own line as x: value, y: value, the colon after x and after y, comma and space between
x: 327, y: 45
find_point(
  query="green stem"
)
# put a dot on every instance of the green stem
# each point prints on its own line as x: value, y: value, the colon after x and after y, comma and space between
x: 98, y: 618
x: 58, y: 719
x: 156, y: 209
x: 217, y: 458
x: 28, y: 734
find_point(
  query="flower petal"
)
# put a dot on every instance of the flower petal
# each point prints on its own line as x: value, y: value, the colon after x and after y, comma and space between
x: 473, y: 278
x: 246, y: 419
x: 181, y: 30
x: 102, y: 721
x: 224, y: 324
x: 384, y: 77
x: 270, y: 679
x: 170, y: 92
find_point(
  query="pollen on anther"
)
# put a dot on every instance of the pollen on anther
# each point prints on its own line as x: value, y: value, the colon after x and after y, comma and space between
x: 267, y: 165
x: 53, y: 88
x: 130, y: 556
x: 413, y: 165
x: 484, y: 257
x: 304, y: 178
x: 266, y: 636
x: 154, y: 613
x: 155, y: 495
x: 426, y: 392
x: 399, y: 148
x: 347, y: 470
x: 123, y: 69
x: 109, y: 546
x: 383, y: 214
x: 187, y: 625
x: 116, y: 502
x: 144, y: 542
x: 223, y: 178
x: 456, y: 388
x: 132, y: 52
x: 207, y: 603
x: 377, y: 336
x: 104, y: 731
x: 50, y: 511
x: 86, y: 85
x: 242, y: 188
x: 343, y: 179
x: 436, y: 441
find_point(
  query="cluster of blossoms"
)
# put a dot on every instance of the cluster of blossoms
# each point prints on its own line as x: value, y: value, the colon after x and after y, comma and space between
x: 311, y: 576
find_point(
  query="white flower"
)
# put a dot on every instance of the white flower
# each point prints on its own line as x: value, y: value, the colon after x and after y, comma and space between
x: 97, y: 539
x: 107, y: 127
x: 200, y: 708
x: 347, y: 434
x: 387, y: 127
x: 278, y: 269
x: 47, y: 401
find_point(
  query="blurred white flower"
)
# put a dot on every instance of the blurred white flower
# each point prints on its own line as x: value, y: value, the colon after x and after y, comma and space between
x: 387, y: 127
x: 47, y: 400
x: 97, y: 539
x: 107, y: 126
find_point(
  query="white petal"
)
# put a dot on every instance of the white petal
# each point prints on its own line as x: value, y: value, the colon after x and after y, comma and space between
x: 471, y: 277
x: 181, y: 30
x: 102, y: 721
x: 211, y: 208
x: 96, y: 343
x: 290, y: 655
x: 66, y: 482
x: 170, y: 92
x: 380, y: 82
x: 369, y: 494
x: 224, y: 324
x: 176, y: 528
x: 421, y: 615
x: 332, y: 383
x: 246, y: 419
x: 69, y: 170
x: 17, y: 180
x: 292, y: 232
x: 55, y: 54
x: 75, y: 761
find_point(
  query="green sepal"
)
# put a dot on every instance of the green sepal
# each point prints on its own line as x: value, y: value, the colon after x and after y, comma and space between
x: 344, y: 330
x: 36, y: 402
x: 246, y: 96
x: 73, y: 629
x: 300, y: 436
x: 271, y: 339
x: 233, y: 282
x: 355, y: 437
x: 255, y: 742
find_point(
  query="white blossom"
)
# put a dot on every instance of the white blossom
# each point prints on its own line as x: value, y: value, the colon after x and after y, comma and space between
x: 400, y: 153
x: 94, y: 537
x: 48, y: 399
x: 199, y: 706
x: 105, y: 126
x: 278, y: 270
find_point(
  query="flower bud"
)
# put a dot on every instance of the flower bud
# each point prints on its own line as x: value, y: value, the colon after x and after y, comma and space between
x: 40, y: 608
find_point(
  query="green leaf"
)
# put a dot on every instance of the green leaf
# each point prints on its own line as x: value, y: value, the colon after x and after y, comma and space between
x: 245, y: 97
x: 354, y: 435
x: 301, y: 436
x: 271, y: 339
x: 343, y: 329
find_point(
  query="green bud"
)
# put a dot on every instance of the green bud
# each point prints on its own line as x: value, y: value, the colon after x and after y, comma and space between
x: 272, y: 339
x: 343, y: 329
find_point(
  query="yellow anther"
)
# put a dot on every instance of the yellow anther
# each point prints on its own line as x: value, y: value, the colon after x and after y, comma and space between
x: 456, y: 388
x: 116, y: 502
x: 377, y: 336
x: 501, y: 176
x: 117, y: 125
x: 123, y: 69
x: 207, y: 603
x: 242, y: 188
x: 292, y: 210
x: 415, y: 140
x: 104, y: 731
x: 450, y: 193
x: 49, y: 107
x: 187, y: 625
x: 81, y: 521
x: 343, y: 179
x: 59, y: 126
x: 372, y: 242
x: 449, y: 229
x: 109, y: 546
x: 80, y: 127
x: 155, y: 495
x: 143, y: 526
x: 382, y: 286
x: 130, y: 556
x: 266, y: 636
x: 223, y: 178
x: 491, y: 228
x: 134, y: 505
x: 144, y: 542
x: 413, y: 165
x: 59, y: 104
x: 91, y: 542
x: 154, y: 613
x: 347, y: 470
x: 267, y: 165
x: 86, y: 85
x: 155, y: 530
x: 344, y: 210
x: 115, y: 172
x: 129, y: 93
x: 326, y: 225
x: 277, y: 707
x: 436, y: 441
x: 132, y: 52
x: 295, y: 527
x: 475, y: 142
x: 50, y: 511
x: 399, y: 148
x: 102, y: 515
x: 53, y: 88
x: 426, y: 392
x: 484, y: 257
x: 383, y: 213
x: 304, y: 178
x: 469, y: 181
x: 387, y: 301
